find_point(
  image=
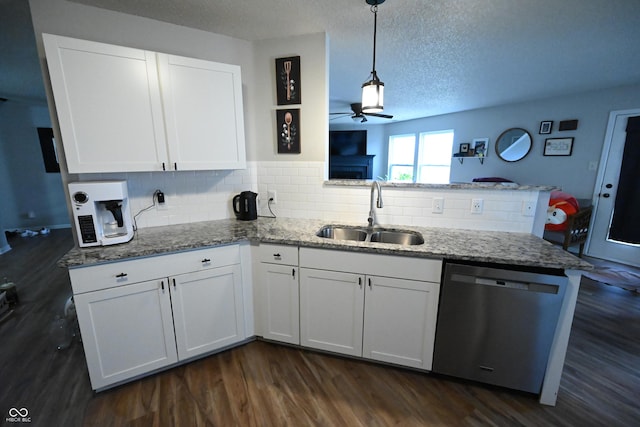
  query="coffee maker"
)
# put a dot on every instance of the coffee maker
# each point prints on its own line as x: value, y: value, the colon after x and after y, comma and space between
x: 101, y: 212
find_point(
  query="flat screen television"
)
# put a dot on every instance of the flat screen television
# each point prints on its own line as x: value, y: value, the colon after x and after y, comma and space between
x: 348, y: 142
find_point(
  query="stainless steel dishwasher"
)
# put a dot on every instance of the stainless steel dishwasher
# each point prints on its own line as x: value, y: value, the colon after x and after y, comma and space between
x: 496, y: 326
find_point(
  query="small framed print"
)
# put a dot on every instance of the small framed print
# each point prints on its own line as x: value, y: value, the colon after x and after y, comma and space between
x: 558, y: 146
x: 545, y: 127
x: 288, y: 85
x: 480, y: 146
x: 568, y: 125
x: 288, y: 131
x: 49, y: 153
x: 464, y: 147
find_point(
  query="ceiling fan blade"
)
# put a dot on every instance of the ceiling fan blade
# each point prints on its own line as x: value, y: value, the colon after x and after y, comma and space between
x: 384, y: 116
x: 340, y: 116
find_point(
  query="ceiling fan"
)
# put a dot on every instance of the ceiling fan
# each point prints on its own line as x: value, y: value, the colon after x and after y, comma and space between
x: 357, y: 113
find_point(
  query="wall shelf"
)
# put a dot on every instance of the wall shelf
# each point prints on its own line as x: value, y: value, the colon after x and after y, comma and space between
x: 461, y: 159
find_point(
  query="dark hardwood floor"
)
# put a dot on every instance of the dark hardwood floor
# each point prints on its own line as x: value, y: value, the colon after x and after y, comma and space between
x: 264, y: 384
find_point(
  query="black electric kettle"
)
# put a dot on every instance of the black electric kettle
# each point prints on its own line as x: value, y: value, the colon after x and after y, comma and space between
x: 245, y: 207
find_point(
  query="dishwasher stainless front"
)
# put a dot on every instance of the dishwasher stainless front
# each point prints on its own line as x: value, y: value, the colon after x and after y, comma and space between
x: 496, y: 326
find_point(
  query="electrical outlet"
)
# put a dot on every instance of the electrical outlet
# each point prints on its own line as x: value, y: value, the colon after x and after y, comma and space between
x: 438, y: 205
x: 476, y: 206
x: 528, y: 208
x: 271, y: 195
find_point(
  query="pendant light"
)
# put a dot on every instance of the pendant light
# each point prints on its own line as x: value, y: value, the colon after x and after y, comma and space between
x: 373, y: 89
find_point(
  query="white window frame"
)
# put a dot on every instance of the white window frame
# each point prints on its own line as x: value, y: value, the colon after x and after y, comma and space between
x: 418, y: 143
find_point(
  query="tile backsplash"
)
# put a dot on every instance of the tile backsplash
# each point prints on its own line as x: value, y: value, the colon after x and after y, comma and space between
x: 301, y: 193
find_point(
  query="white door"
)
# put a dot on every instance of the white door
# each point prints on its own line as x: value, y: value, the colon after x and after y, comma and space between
x: 281, y: 302
x: 599, y: 245
x: 208, y: 310
x: 400, y: 321
x: 331, y: 311
x: 203, y: 111
x: 126, y: 331
x: 108, y: 103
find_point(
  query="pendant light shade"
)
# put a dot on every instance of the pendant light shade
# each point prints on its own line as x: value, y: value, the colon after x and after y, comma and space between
x: 373, y: 89
x: 373, y: 95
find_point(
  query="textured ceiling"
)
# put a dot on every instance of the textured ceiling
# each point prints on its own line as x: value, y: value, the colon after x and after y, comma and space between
x: 437, y: 56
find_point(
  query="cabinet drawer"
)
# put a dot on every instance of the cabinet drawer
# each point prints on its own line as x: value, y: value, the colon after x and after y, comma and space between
x: 204, y: 259
x: 103, y: 276
x: 279, y: 254
x: 422, y: 269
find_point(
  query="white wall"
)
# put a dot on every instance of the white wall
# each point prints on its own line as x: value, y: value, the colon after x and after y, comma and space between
x: 31, y: 197
x: 571, y: 173
x: 314, y: 108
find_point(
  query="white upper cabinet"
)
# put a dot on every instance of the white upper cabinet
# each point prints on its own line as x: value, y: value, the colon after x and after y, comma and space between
x: 108, y: 104
x: 117, y: 115
x: 203, y: 113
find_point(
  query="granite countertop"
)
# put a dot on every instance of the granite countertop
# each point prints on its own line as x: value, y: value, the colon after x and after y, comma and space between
x: 469, y: 245
x: 451, y: 186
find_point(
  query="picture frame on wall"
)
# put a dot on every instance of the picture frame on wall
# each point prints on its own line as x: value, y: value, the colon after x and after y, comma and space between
x: 288, y: 81
x: 464, y: 148
x: 545, y: 127
x: 558, y: 146
x: 288, y: 131
x: 49, y: 153
x: 480, y: 146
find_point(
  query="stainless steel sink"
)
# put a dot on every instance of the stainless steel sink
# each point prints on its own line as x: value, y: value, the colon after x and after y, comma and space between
x: 374, y: 235
x: 397, y: 237
x: 342, y: 233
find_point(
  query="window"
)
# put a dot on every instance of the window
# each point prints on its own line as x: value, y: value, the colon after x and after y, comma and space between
x: 402, y: 150
x: 428, y: 161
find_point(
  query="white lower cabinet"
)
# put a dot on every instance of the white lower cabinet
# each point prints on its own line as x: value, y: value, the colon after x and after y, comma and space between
x: 278, y: 281
x: 331, y: 305
x: 400, y: 321
x: 207, y: 310
x: 388, y: 315
x: 126, y: 331
x: 130, y: 329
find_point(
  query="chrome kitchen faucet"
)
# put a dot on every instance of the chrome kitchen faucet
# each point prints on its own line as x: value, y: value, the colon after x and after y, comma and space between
x: 374, y: 185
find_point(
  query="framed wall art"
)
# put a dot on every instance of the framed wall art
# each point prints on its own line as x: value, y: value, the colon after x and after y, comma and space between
x: 558, y: 146
x: 288, y: 131
x: 480, y: 146
x: 568, y: 125
x: 288, y: 81
x: 48, y: 147
x: 545, y: 127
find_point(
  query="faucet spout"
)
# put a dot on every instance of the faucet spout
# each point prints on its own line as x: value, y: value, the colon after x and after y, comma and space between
x: 375, y: 185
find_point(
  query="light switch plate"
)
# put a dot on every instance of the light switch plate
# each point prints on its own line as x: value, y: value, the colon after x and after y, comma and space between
x: 438, y: 205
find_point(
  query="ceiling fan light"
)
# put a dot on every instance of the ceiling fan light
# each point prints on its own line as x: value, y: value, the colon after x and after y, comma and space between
x: 372, y: 96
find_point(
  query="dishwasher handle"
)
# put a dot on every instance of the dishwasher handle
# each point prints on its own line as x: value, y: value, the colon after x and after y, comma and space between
x: 505, y: 284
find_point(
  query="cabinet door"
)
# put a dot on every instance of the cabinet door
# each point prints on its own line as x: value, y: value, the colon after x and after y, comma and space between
x: 208, y: 310
x: 126, y: 331
x: 331, y: 306
x: 108, y: 104
x: 203, y: 112
x: 281, y: 302
x: 399, y: 321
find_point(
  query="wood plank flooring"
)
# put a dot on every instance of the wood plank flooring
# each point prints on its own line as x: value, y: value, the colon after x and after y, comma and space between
x: 265, y: 384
